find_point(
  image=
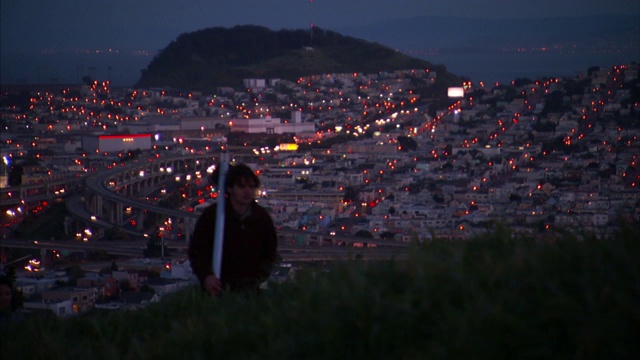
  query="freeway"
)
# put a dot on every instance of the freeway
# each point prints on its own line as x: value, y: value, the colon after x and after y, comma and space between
x: 316, y: 246
x: 55, y: 187
x: 133, y: 249
x: 75, y: 205
x: 178, y: 250
x: 97, y: 184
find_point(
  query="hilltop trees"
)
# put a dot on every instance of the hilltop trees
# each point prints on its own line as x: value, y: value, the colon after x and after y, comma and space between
x: 208, y: 58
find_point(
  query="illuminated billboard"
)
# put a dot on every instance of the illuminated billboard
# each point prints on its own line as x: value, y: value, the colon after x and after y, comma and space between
x: 288, y: 147
x: 455, y: 92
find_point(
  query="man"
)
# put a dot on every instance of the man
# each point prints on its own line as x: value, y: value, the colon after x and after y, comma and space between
x: 250, y: 242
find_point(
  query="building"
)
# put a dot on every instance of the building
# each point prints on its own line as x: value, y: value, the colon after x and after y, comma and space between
x: 271, y: 125
x: 116, y: 142
x: 82, y: 299
x: 60, y: 308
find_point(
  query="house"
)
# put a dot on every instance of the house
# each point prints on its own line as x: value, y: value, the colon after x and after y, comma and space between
x: 111, y: 288
x: 131, y: 277
x: 40, y: 281
x: 28, y: 290
x: 82, y: 299
x: 178, y: 269
x: 163, y: 286
x: 60, y: 308
x: 91, y: 280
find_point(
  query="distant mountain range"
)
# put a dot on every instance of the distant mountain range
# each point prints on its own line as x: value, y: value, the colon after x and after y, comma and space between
x: 205, y: 59
x: 478, y: 48
x: 215, y: 56
x: 454, y: 34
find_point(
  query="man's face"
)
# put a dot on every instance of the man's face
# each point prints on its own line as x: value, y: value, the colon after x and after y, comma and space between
x: 242, y: 192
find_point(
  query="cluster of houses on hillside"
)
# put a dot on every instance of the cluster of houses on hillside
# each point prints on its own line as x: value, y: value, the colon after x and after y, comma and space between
x: 535, y: 155
x: 527, y: 163
x: 126, y: 285
x: 67, y: 293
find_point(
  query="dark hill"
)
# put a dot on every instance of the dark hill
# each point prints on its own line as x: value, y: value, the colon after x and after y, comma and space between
x: 208, y: 58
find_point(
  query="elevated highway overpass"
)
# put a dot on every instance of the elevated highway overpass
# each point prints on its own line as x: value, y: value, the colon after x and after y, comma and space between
x: 111, y: 191
x: 108, y: 193
x: 55, y: 186
x: 135, y: 249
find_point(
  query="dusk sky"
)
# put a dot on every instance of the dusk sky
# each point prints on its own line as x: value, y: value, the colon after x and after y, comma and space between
x: 36, y: 25
x: 43, y: 21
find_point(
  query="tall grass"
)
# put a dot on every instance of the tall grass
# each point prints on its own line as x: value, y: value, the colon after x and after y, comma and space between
x: 495, y: 297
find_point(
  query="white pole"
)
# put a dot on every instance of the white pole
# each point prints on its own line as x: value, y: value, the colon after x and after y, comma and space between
x: 219, y: 231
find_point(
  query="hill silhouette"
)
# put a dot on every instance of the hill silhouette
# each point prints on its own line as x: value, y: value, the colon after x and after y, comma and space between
x: 206, y: 59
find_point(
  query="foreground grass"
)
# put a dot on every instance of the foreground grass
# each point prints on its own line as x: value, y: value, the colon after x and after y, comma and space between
x: 493, y: 297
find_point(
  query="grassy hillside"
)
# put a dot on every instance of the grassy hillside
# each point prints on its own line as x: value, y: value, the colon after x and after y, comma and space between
x: 213, y: 57
x: 498, y: 297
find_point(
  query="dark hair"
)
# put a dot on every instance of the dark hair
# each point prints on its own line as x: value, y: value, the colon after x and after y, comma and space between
x: 235, y: 174
x: 240, y: 172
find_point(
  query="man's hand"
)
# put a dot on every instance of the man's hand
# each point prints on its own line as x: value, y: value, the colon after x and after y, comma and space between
x: 212, y: 285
